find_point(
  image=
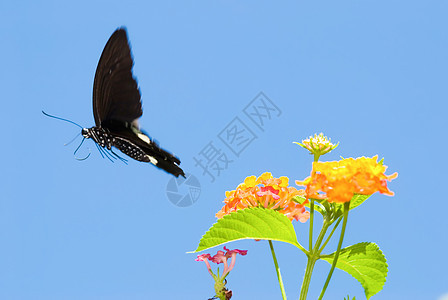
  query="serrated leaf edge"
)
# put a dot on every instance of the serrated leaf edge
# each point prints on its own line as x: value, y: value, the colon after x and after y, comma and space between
x: 245, y: 238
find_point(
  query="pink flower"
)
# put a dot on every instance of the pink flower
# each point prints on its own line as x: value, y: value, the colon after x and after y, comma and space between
x: 268, y: 191
x: 204, y: 257
x: 221, y: 257
x: 232, y: 254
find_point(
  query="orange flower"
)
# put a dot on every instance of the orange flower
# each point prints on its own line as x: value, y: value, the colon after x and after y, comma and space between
x: 338, y: 181
x: 268, y: 192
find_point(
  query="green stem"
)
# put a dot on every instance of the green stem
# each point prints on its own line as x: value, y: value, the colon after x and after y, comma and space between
x: 302, y: 248
x: 320, y: 237
x: 329, y: 237
x: 307, y: 278
x: 277, y: 269
x: 311, y: 225
x: 316, y: 158
x: 312, y: 258
x: 311, y: 254
x: 220, y: 288
x: 336, y: 256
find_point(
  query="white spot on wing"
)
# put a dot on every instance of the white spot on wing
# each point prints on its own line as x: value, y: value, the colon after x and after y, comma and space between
x: 152, y: 160
x: 144, y: 137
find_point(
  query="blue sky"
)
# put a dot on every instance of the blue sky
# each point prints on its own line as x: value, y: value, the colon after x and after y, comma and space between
x: 369, y: 74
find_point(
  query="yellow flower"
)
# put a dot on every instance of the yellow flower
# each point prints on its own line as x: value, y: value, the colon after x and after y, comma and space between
x: 249, y: 182
x: 268, y: 192
x: 264, y: 177
x: 284, y: 181
x: 317, y: 145
x: 338, y: 181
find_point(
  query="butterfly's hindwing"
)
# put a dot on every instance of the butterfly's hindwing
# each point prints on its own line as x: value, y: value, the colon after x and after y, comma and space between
x: 133, y: 150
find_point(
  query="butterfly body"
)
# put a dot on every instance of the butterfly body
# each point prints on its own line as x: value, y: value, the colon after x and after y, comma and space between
x: 117, y: 108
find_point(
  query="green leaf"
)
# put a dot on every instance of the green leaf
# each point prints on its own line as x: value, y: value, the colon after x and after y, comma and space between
x: 249, y: 223
x: 322, y: 205
x: 317, y: 206
x: 356, y: 201
x: 299, y: 199
x: 366, y: 263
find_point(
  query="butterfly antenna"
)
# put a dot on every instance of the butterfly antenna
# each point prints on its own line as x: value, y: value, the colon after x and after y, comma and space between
x: 73, y: 139
x: 74, y: 153
x: 62, y: 119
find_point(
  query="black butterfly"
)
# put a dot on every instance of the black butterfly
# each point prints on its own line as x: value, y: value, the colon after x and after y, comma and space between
x: 117, y: 107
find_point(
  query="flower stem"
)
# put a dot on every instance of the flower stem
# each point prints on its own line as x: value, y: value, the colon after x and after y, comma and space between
x: 311, y: 225
x: 313, y: 256
x: 331, y: 234
x: 219, y: 288
x: 316, y: 158
x: 338, y: 251
x: 277, y: 269
x: 307, y: 278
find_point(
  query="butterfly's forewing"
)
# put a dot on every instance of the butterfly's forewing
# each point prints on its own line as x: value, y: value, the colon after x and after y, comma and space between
x: 115, y: 92
x: 117, y: 106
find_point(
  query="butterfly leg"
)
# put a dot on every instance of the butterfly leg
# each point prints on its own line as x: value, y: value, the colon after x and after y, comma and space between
x: 119, y: 157
x: 104, y: 153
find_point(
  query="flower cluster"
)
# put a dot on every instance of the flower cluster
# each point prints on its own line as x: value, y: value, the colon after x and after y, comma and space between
x: 338, y: 181
x: 221, y: 257
x: 267, y: 192
x: 317, y: 145
x: 220, y: 280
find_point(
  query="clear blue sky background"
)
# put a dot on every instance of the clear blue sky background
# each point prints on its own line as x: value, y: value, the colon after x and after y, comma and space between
x: 370, y: 74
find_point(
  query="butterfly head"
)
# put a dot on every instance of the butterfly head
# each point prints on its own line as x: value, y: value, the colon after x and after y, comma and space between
x: 86, y: 133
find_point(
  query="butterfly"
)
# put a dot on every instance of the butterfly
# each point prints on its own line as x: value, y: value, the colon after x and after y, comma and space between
x: 117, y: 107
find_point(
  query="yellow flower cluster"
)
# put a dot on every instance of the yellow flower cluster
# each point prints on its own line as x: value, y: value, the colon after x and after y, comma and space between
x: 338, y: 181
x: 267, y: 192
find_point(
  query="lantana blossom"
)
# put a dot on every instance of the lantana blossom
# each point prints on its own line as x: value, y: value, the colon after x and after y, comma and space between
x: 205, y: 258
x: 221, y: 257
x: 220, y: 280
x: 338, y: 181
x: 317, y: 144
x: 267, y: 192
